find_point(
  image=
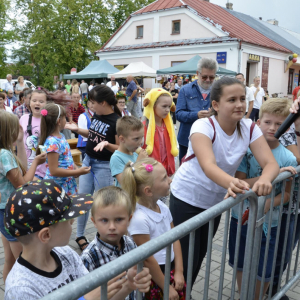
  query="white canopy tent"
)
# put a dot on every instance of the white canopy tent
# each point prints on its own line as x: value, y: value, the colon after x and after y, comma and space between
x: 136, y: 69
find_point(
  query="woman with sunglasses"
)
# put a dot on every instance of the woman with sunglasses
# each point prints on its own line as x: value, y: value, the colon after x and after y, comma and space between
x: 193, y: 101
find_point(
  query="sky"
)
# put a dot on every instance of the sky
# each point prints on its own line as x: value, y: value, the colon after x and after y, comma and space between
x: 287, y: 12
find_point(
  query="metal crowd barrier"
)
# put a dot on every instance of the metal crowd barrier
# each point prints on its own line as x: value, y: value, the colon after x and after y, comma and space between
x: 101, y: 276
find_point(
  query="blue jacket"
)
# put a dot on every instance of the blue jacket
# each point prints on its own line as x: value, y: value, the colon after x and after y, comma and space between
x: 189, y: 102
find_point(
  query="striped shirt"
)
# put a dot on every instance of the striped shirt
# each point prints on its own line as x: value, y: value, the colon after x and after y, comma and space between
x: 21, y: 110
x: 77, y: 112
x: 99, y: 253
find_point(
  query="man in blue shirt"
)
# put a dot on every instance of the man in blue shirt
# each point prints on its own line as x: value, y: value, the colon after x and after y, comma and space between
x: 131, y: 92
x: 193, y: 101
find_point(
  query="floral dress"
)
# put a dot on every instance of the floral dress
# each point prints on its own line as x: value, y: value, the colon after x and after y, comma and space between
x: 65, y: 161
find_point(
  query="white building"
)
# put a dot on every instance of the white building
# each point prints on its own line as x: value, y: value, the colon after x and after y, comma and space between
x: 166, y: 33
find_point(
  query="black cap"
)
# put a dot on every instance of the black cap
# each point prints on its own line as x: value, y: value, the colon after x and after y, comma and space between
x: 42, y: 203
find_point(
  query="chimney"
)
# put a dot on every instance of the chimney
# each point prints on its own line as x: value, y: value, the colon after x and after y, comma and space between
x: 260, y: 18
x: 229, y: 5
x: 273, y: 22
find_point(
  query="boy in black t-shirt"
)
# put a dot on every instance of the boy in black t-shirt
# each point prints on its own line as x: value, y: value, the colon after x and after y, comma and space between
x: 40, y: 214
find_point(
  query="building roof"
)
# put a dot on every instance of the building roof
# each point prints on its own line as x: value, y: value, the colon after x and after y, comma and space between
x: 216, y: 15
x: 273, y: 32
x: 170, y: 44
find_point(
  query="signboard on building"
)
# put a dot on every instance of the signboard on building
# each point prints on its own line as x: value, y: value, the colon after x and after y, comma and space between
x: 265, y: 73
x: 73, y: 71
x: 296, y: 80
x: 221, y: 57
x: 253, y: 57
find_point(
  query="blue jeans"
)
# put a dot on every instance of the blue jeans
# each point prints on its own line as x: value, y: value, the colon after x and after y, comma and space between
x: 88, y: 184
x: 241, y: 255
x: 182, y: 152
x: 83, y: 95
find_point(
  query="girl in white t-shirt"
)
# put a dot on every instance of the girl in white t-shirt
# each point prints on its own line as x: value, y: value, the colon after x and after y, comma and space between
x: 146, y: 181
x: 216, y: 148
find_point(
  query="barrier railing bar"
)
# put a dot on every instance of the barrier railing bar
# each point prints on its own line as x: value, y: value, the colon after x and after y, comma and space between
x: 236, y: 249
x: 296, y: 219
x: 286, y: 235
x: 98, y: 277
x: 253, y: 207
x: 190, y: 265
x: 167, y: 272
x: 256, y: 247
x: 223, y: 261
x: 139, y: 295
x: 267, y: 245
x: 104, y: 291
x: 208, y: 258
x: 287, y: 286
x: 277, y: 240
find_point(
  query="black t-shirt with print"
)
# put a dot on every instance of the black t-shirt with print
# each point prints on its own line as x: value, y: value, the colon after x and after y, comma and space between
x: 103, y: 128
x: 173, y: 93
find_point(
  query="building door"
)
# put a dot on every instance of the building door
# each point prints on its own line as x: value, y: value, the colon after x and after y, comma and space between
x: 247, y: 73
x: 290, y: 85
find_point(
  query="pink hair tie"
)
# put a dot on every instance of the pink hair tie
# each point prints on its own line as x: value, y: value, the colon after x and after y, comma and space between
x: 149, y: 168
x: 44, y: 112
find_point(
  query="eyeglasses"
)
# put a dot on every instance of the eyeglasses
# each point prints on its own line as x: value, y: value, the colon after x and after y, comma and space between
x: 211, y: 78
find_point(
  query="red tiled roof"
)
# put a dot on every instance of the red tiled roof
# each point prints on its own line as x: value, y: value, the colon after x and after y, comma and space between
x: 159, y: 5
x: 217, y: 16
x: 235, y: 27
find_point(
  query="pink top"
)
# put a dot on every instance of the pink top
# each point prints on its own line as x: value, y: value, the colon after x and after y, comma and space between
x: 162, y: 143
x: 31, y: 142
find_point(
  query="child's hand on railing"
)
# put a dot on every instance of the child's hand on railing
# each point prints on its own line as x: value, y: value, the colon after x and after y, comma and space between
x: 140, y: 281
x: 295, y: 106
x: 115, y: 285
x: 237, y: 186
x: 179, y: 281
x: 262, y: 187
x: 289, y: 169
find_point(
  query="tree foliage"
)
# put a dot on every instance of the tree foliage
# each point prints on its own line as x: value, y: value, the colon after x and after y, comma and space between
x: 56, y: 35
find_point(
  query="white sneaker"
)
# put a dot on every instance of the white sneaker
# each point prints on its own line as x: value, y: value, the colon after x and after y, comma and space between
x: 175, y: 127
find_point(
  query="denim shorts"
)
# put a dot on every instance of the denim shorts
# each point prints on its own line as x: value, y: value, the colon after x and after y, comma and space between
x: 240, y: 263
x: 9, y: 237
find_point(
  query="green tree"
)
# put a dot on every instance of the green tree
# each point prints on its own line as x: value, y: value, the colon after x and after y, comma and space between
x: 62, y: 34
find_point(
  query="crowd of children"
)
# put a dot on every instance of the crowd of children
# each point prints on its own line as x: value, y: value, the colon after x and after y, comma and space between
x: 125, y: 173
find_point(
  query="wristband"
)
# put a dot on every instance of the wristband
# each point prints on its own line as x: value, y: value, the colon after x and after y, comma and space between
x: 297, y: 133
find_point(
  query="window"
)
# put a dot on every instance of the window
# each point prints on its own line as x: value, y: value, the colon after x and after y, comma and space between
x: 290, y: 84
x: 176, y: 27
x: 176, y: 63
x: 120, y: 67
x: 139, y: 32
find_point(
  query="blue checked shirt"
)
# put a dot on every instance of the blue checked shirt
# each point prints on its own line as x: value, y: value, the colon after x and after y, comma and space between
x: 99, y: 253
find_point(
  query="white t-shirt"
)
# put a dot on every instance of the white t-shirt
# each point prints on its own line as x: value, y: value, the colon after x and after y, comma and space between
x: 8, y: 109
x: 190, y: 184
x: 91, y: 87
x: 115, y: 89
x: 258, y: 99
x: 82, y: 123
x: 109, y: 84
x: 25, y: 282
x: 249, y: 97
x: 147, y: 221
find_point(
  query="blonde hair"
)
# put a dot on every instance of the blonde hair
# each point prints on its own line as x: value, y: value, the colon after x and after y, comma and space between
x: 276, y: 106
x: 135, y: 176
x: 111, y: 195
x: 19, y: 78
x: 127, y: 124
x: 9, y: 131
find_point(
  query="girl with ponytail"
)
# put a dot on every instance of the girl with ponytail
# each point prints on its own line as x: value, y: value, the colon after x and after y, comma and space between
x: 101, y: 144
x: 146, y: 181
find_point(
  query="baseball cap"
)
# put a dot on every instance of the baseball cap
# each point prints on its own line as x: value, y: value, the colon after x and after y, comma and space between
x: 42, y: 203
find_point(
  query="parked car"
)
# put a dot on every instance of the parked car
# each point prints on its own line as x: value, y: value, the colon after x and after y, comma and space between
x: 29, y: 83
